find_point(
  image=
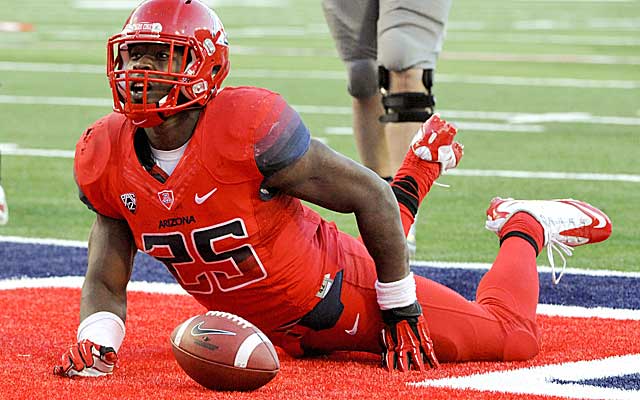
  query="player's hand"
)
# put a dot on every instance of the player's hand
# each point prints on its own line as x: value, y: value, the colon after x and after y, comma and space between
x: 434, y: 142
x: 406, y: 340
x: 86, y: 358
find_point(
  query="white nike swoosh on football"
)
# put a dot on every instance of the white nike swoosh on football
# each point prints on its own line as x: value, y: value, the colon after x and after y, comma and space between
x: 199, y: 331
x: 354, y: 330
x: 200, y: 200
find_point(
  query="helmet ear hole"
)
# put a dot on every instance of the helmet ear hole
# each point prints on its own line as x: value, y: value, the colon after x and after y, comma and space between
x: 215, y: 70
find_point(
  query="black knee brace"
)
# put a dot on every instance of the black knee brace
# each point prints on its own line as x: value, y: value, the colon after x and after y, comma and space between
x: 407, y: 106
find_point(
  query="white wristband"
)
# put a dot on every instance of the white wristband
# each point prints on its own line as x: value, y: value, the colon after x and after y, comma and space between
x: 103, y: 328
x: 396, y: 294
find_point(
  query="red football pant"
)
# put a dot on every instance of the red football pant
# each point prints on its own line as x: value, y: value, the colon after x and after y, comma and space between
x: 499, y: 325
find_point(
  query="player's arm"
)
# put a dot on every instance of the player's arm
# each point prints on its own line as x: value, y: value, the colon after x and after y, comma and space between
x: 333, y: 181
x: 110, y: 261
x: 104, y: 302
x: 326, y: 178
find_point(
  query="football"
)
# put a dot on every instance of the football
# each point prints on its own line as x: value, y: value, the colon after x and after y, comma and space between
x: 222, y: 351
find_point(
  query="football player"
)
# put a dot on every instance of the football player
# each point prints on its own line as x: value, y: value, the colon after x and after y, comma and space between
x: 390, y: 49
x: 209, y: 180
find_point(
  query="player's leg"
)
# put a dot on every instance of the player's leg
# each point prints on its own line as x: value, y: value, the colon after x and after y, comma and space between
x: 369, y: 134
x: 353, y: 27
x: 461, y: 330
x: 410, y: 37
x: 407, y: 104
x: 500, y: 324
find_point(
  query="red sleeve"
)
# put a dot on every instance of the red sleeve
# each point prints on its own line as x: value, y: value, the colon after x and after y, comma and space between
x: 91, y: 169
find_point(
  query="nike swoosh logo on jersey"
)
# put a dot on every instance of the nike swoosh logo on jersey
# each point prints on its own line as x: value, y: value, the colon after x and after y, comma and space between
x: 198, y: 331
x: 354, y: 330
x: 200, y: 200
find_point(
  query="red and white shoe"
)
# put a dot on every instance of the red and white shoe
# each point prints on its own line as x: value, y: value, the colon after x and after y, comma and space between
x: 433, y: 142
x: 567, y: 223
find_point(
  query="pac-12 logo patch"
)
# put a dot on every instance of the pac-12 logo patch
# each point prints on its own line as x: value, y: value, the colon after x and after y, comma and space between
x: 129, y: 201
x: 166, y: 198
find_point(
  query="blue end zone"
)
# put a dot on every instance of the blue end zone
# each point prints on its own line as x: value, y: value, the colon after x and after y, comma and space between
x: 44, y: 261
x: 573, y: 290
x: 39, y: 261
x: 624, y: 382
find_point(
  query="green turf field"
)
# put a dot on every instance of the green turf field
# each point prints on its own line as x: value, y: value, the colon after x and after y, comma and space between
x: 543, y: 86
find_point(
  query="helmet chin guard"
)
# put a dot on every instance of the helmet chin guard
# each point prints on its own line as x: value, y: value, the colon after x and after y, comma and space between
x: 187, y: 25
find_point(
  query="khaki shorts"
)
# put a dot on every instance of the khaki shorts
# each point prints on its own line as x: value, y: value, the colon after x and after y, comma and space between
x: 398, y: 34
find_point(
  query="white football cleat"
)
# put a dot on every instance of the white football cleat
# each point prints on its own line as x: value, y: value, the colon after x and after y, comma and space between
x: 567, y: 223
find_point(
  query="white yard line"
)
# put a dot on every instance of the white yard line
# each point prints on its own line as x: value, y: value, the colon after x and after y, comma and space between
x: 341, y: 76
x: 547, y: 175
x: 561, y: 380
x: 542, y: 268
x: 577, y: 1
x: 9, y: 149
x: 75, y: 282
x: 417, y: 263
x: 239, y: 50
x: 541, y: 58
x: 52, y: 68
x: 542, y: 38
x: 508, y: 117
x: 467, y: 126
x: 536, y: 82
x: 541, y: 35
x: 172, y: 288
x: 57, y: 101
x: 43, y: 241
x: 130, y: 4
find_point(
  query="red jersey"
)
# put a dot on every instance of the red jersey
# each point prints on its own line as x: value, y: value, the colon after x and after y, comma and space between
x: 227, y: 240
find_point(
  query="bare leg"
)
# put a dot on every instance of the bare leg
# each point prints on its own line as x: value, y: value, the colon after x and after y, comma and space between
x: 399, y: 135
x: 370, y: 136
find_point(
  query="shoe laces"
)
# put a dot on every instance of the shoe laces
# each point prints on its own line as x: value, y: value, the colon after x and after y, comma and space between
x: 560, y: 248
x: 444, y: 185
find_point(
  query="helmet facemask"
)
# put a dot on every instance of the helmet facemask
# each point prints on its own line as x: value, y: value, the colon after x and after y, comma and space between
x: 189, y: 76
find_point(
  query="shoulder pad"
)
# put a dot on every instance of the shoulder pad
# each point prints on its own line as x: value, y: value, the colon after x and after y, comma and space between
x: 93, y: 152
x: 227, y: 140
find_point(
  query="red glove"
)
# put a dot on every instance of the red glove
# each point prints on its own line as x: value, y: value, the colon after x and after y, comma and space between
x: 434, y: 142
x: 86, y: 358
x: 406, y: 341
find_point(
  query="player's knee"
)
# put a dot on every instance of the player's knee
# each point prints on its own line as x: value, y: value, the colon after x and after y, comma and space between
x: 397, y: 59
x: 406, y: 106
x: 520, y: 345
x: 400, y: 51
x: 363, y: 78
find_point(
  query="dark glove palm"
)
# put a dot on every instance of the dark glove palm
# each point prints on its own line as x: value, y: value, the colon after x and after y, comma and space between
x: 405, y: 339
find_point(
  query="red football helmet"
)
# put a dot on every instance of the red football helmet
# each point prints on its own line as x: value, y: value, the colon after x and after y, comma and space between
x: 187, y: 25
